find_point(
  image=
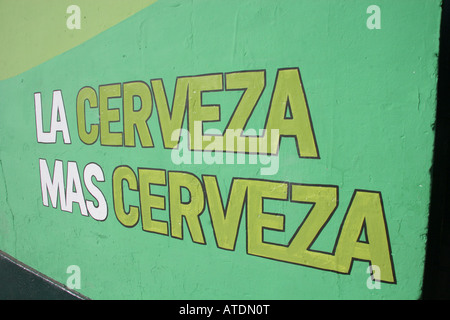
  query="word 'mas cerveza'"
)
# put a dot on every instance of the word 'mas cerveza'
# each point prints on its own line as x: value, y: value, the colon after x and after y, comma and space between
x: 365, y: 213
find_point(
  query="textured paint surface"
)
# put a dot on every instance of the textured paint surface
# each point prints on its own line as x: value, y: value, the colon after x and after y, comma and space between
x: 371, y: 98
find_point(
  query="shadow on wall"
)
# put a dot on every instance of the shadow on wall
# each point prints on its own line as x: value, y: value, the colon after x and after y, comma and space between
x: 437, y: 264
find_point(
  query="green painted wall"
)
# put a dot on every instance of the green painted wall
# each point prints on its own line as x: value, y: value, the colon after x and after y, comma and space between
x: 95, y: 194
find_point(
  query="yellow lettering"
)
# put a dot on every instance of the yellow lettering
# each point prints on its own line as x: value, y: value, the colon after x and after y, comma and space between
x: 199, y: 113
x: 120, y: 174
x: 149, y: 201
x: 107, y: 115
x: 324, y: 200
x: 137, y: 118
x: 86, y: 94
x: 226, y: 221
x: 253, y: 83
x: 365, y: 211
x: 288, y: 95
x: 257, y: 220
x: 170, y: 121
x: 191, y: 210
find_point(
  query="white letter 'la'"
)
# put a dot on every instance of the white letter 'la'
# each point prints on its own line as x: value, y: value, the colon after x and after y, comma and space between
x: 58, y: 119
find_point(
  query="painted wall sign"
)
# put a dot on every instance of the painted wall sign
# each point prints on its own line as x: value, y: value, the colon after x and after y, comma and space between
x: 226, y: 149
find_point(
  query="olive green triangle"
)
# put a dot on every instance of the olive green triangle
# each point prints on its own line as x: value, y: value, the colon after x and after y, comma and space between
x: 32, y: 32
